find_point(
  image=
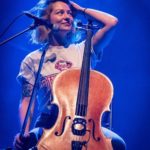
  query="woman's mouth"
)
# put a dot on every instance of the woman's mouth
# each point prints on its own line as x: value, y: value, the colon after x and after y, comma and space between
x: 67, y: 23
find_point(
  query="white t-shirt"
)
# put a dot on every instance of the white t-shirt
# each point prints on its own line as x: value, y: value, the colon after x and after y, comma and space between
x: 57, y: 59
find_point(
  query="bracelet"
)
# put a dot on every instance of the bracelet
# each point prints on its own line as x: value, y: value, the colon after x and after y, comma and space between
x: 84, y: 10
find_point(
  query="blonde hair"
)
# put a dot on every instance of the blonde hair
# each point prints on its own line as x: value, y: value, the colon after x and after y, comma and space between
x: 43, y: 9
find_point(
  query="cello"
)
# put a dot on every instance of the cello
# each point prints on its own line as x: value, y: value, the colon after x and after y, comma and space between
x: 82, y: 96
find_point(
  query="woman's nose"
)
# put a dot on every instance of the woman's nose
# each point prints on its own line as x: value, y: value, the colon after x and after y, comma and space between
x: 67, y: 17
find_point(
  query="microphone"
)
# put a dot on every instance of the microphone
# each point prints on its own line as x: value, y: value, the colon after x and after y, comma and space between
x: 38, y: 21
x: 52, y: 58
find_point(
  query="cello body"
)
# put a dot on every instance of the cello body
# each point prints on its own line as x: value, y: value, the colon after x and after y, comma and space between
x: 73, y: 131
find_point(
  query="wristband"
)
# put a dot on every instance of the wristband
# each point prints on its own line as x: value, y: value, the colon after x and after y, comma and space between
x: 84, y: 10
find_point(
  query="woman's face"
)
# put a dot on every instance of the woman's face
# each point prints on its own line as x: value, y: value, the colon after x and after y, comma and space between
x: 61, y: 16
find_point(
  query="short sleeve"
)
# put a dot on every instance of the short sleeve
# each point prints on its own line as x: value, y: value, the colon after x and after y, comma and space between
x: 26, y: 73
x: 96, y: 57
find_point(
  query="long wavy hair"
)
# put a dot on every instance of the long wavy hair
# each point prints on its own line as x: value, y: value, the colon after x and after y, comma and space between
x: 43, y: 9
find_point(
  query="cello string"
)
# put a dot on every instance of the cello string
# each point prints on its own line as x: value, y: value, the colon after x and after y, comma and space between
x: 79, y: 111
x: 83, y: 96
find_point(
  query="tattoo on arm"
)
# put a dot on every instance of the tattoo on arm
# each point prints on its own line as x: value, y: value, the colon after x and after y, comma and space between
x: 26, y: 90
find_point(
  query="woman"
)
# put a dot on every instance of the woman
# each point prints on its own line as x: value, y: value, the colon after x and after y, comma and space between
x: 62, y: 52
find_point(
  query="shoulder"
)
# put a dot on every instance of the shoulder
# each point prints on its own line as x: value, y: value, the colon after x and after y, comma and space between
x: 77, y: 45
x: 35, y: 55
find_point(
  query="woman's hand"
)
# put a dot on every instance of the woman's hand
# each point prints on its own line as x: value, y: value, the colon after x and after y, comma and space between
x: 24, y: 142
x: 21, y: 142
x: 76, y: 6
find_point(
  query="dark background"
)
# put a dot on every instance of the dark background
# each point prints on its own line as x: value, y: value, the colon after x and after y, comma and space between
x: 125, y: 61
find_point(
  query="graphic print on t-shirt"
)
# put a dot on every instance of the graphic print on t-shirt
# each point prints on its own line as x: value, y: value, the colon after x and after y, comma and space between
x: 59, y: 65
x: 47, y: 81
x: 63, y: 65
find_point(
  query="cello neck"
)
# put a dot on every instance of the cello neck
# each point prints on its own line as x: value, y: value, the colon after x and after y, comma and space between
x: 82, y: 97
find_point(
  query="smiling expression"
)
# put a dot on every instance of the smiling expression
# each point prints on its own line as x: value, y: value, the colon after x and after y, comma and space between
x: 61, y: 16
